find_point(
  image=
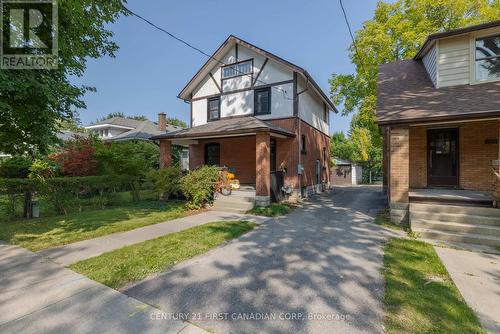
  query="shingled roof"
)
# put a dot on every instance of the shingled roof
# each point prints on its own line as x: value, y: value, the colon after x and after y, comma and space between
x: 224, y: 127
x: 407, y: 95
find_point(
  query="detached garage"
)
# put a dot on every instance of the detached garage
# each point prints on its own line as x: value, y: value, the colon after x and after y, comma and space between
x: 345, y: 173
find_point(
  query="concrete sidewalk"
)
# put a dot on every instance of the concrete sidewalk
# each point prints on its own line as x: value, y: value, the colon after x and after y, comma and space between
x: 85, y: 249
x: 477, y: 276
x: 39, y: 296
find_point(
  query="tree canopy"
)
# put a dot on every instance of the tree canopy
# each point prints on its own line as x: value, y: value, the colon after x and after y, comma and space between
x: 396, y: 32
x: 34, y: 102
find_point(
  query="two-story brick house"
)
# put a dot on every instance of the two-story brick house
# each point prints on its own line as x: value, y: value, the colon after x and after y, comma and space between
x: 255, y: 113
x: 440, y: 118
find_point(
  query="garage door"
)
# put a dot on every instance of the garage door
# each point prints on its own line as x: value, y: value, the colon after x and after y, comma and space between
x: 341, y: 175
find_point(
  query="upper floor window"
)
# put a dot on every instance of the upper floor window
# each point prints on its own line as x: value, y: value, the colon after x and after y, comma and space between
x: 237, y: 69
x: 213, y: 107
x: 488, y: 58
x: 262, y: 101
x: 303, y: 144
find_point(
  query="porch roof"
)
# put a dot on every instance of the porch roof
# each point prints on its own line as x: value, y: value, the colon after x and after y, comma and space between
x: 225, y: 127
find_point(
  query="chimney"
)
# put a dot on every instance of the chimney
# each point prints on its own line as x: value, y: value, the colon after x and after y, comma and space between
x: 162, y: 121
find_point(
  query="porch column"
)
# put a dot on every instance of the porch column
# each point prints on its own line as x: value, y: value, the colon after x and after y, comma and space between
x: 385, y: 159
x: 262, y: 169
x: 165, y: 153
x: 399, y: 170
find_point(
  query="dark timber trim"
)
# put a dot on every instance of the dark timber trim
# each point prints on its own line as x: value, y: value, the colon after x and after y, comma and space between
x: 260, y: 71
x: 242, y: 90
x: 215, y: 82
x: 295, y: 95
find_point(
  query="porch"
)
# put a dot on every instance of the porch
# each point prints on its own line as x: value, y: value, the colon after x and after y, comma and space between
x: 252, y: 149
x: 451, y: 162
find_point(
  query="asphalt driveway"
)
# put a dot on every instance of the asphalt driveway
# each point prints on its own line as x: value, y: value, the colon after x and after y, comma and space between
x: 315, y: 271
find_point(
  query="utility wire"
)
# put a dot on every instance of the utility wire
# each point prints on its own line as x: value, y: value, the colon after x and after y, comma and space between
x: 352, y: 37
x: 284, y: 92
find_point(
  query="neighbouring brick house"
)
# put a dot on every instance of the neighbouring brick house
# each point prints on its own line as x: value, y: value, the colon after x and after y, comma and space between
x: 439, y: 114
x: 255, y: 113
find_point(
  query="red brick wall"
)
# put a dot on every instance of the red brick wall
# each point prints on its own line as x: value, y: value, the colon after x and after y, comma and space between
x: 165, y: 153
x: 263, y: 171
x: 476, y: 156
x: 235, y: 152
x: 315, y: 141
x: 418, y: 157
x: 239, y: 153
x: 399, y: 165
x: 286, y: 150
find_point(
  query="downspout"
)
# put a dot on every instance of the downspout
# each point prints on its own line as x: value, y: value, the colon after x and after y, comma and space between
x: 298, y: 123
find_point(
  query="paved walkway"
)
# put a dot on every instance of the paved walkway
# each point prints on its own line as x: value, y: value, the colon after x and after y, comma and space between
x: 85, y: 249
x: 477, y: 276
x: 39, y: 296
x: 315, y: 271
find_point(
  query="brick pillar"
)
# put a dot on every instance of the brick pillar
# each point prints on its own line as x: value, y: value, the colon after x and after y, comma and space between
x: 262, y: 169
x: 165, y: 153
x: 399, y: 169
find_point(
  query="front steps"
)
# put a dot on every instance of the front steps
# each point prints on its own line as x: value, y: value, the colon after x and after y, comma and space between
x: 460, y: 224
x: 240, y: 201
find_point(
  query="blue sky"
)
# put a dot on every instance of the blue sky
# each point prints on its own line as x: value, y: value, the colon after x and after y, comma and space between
x: 150, y: 68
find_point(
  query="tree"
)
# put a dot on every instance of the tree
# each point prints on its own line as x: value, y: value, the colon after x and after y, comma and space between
x: 32, y: 102
x: 77, y: 157
x: 396, y: 32
x: 340, y: 146
x: 176, y: 122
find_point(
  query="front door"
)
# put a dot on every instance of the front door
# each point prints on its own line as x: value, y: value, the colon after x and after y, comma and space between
x: 442, y: 157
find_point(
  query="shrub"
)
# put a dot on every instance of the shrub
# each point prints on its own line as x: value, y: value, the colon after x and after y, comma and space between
x: 76, y: 158
x: 66, y: 193
x: 41, y: 169
x: 198, y: 186
x: 166, y: 182
x: 15, y: 190
x: 15, y: 167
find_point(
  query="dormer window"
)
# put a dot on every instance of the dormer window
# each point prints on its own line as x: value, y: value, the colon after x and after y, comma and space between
x: 237, y: 69
x: 488, y: 58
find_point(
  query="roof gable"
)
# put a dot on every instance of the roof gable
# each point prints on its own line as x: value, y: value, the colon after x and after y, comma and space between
x: 218, y: 58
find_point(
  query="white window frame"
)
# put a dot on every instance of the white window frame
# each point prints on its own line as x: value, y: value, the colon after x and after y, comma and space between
x: 473, y: 38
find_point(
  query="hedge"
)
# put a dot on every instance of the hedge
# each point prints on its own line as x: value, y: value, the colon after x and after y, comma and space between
x: 67, y: 193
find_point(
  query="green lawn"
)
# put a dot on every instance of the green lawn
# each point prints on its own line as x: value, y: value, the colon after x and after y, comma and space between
x: 275, y: 209
x: 420, y: 297
x: 42, y: 233
x: 135, y: 262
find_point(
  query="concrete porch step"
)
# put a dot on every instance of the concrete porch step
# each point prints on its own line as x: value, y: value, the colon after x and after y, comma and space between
x: 471, y: 238
x: 454, y: 218
x: 228, y: 204
x: 456, y: 227
x: 454, y: 209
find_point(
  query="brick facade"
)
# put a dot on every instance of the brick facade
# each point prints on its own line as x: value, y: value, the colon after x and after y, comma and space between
x: 234, y: 153
x: 247, y: 158
x: 165, y: 153
x: 315, y: 142
x: 262, y: 166
x: 418, y: 157
x: 475, y: 154
x: 399, y: 164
